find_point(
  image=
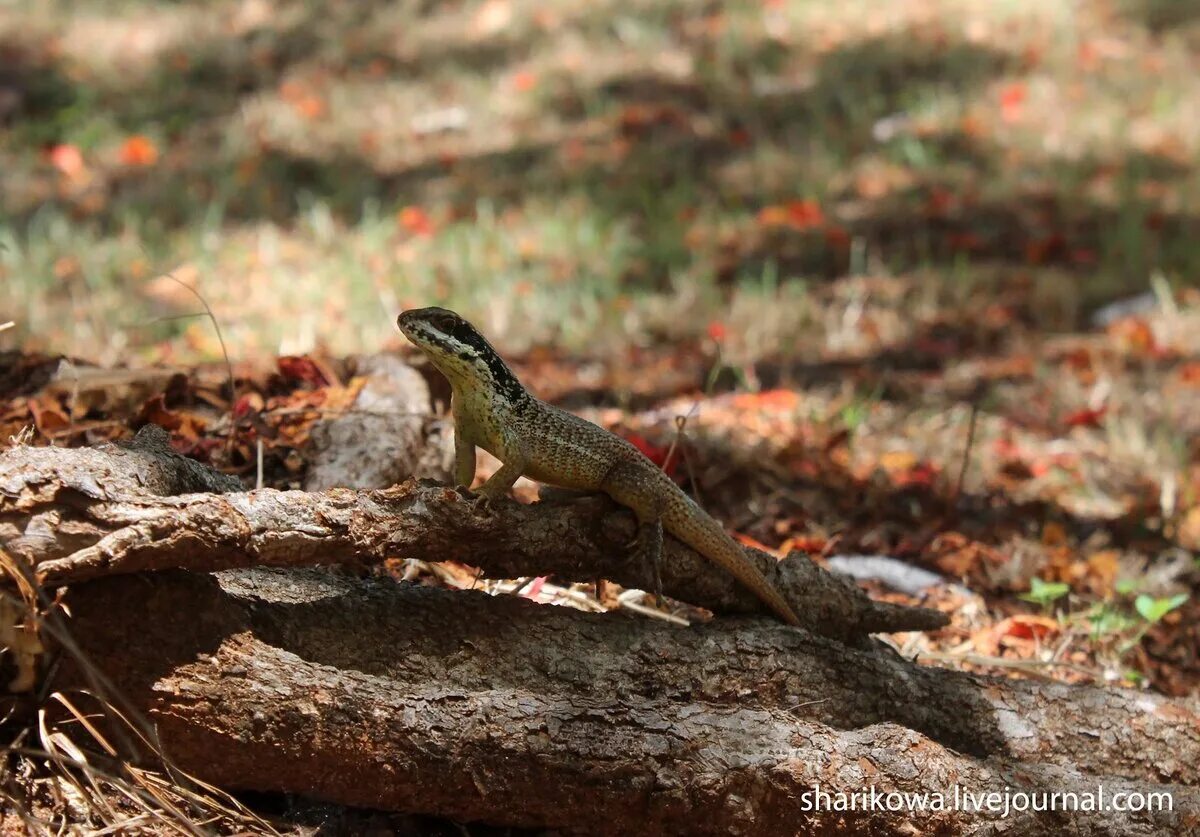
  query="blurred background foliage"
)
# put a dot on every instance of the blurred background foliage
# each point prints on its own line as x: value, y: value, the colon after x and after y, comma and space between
x: 587, y: 173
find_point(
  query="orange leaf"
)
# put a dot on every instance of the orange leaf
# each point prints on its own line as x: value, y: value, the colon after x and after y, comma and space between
x: 68, y: 159
x: 1189, y: 373
x: 655, y: 453
x: 311, y: 107
x: 524, y: 80
x: 416, y: 221
x: 1134, y: 335
x: 138, y: 150
x: 797, y: 214
x: 1012, y: 99
x: 1087, y: 417
x: 772, y: 216
x: 48, y: 416
x: 807, y: 544
x: 746, y: 540
x: 771, y: 399
x: 1053, y: 534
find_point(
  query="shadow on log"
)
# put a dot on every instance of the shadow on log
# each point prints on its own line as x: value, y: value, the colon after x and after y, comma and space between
x: 374, y: 694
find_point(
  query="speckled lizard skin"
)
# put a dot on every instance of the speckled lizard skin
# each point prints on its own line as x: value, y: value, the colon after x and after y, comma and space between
x: 492, y: 410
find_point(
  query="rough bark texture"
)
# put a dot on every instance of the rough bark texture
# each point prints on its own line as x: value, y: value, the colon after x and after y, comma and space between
x: 75, y: 515
x: 388, y: 435
x: 375, y: 694
x: 372, y: 693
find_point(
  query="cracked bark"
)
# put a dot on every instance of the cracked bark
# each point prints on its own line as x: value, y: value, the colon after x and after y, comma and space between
x: 488, y: 709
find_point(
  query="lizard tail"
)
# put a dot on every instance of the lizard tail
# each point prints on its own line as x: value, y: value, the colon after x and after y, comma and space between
x: 692, y: 525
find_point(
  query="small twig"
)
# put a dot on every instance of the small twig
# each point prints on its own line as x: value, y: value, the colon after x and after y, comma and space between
x: 224, y: 352
x: 966, y: 459
x: 258, y: 481
x: 629, y: 599
x: 7, y: 325
x: 1031, y: 666
x: 680, y: 427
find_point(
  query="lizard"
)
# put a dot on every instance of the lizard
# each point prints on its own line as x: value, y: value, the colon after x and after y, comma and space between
x: 491, y: 409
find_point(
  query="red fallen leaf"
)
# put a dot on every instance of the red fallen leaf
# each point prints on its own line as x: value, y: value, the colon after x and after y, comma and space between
x: 1189, y: 373
x: 804, y: 214
x: 138, y: 150
x: 535, y: 588
x: 1012, y: 99
x: 1040, y: 467
x: 301, y: 368
x: 837, y: 238
x: 799, y: 215
x: 1027, y: 626
x: 1041, y: 250
x: 655, y: 453
x: 939, y: 202
x: 68, y: 159
x: 200, y: 449
x: 964, y: 241
x: 1088, y: 417
x: 1006, y: 448
x: 938, y: 347
x: 415, y: 220
x: 249, y: 403
x: 739, y: 137
x: 1079, y: 359
x: 921, y: 474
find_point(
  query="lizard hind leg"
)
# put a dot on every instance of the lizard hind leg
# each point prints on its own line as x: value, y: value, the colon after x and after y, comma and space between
x: 627, y: 484
x: 649, y: 546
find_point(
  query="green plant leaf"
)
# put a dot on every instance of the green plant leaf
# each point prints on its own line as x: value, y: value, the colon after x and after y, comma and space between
x: 1152, y: 609
x: 1044, y: 592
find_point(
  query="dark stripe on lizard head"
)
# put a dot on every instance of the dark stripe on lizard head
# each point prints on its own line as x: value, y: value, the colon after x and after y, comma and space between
x: 443, y: 330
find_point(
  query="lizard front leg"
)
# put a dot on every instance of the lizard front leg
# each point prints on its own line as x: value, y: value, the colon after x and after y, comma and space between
x: 464, y: 459
x: 499, y: 484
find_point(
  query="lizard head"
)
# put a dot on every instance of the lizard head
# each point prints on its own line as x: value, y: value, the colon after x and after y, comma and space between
x: 459, y: 351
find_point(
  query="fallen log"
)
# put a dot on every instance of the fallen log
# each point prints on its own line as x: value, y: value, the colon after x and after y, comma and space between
x: 370, y: 693
x: 79, y: 514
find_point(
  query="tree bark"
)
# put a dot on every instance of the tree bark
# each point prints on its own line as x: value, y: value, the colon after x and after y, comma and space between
x: 370, y: 693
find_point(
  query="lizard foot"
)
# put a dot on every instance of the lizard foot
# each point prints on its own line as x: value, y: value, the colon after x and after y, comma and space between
x: 485, y: 502
x: 647, y: 546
